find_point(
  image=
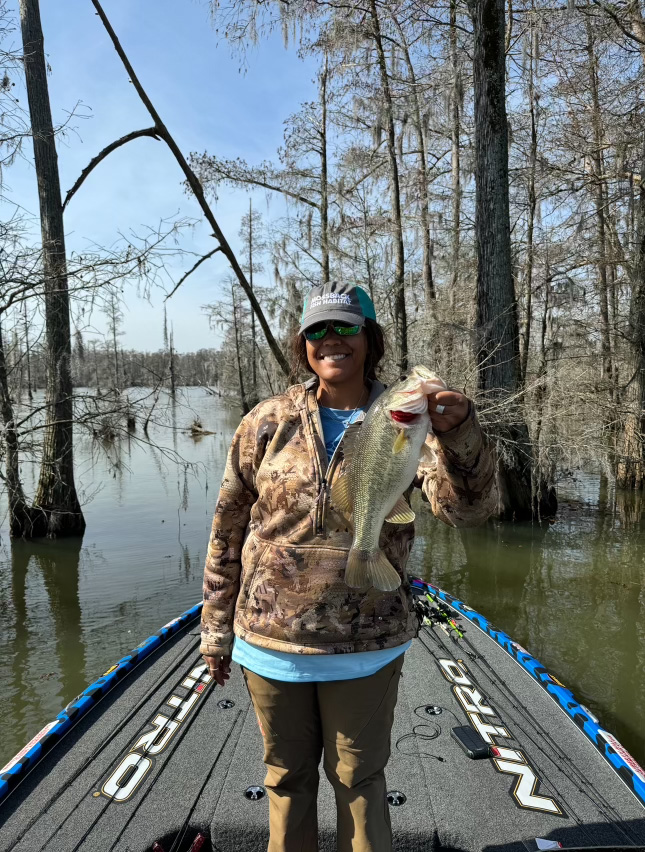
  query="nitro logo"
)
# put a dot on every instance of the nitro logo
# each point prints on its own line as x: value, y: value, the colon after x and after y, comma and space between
x: 134, y: 767
x: 507, y: 760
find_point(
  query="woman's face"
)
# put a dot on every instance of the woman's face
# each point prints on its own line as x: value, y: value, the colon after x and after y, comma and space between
x: 337, y: 359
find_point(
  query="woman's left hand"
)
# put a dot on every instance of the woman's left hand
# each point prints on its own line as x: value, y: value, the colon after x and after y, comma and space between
x: 454, y: 411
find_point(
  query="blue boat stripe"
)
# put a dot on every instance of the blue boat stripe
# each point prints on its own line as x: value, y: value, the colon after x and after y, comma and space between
x: 563, y: 696
x: 90, y: 696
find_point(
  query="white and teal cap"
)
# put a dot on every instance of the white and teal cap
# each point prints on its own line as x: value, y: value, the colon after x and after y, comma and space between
x: 336, y: 301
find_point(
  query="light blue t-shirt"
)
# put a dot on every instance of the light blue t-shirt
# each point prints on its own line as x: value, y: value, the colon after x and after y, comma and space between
x: 307, y: 668
x: 334, y: 422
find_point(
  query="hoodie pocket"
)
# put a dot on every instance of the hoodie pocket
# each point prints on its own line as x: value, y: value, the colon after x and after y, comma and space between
x: 297, y: 594
x: 253, y: 553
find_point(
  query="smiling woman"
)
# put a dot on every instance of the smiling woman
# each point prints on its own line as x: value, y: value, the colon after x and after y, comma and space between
x: 372, y: 334
x: 321, y: 658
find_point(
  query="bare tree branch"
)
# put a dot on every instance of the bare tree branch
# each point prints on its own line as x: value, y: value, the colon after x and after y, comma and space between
x: 136, y: 134
x: 198, y: 192
x: 191, y: 270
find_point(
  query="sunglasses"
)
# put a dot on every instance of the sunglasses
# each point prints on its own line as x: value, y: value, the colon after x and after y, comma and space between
x: 320, y: 329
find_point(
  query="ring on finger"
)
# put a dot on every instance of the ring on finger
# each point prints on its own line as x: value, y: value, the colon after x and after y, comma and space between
x: 440, y: 409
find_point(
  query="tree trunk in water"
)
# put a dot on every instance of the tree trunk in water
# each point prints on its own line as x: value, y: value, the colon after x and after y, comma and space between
x: 20, y: 513
x: 324, y: 187
x: 400, y: 315
x: 240, y: 374
x: 455, y: 166
x: 56, y: 497
x: 497, y: 354
x: 631, y: 463
x: 528, y: 270
x: 601, y: 231
x: 540, y: 393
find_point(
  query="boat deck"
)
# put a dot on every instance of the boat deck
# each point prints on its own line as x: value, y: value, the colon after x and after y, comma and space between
x: 552, y: 782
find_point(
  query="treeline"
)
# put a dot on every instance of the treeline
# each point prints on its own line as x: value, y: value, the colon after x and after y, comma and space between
x: 477, y: 167
x: 97, y: 368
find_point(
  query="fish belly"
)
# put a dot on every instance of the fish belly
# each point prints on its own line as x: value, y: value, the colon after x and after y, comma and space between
x: 380, y: 478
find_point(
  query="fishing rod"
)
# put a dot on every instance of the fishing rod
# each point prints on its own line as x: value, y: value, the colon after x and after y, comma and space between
x: 179, y: 661
x: 605, y: 807
x: 524, y: 711
x: 436, y: 612
x: 549, y: 783
x: 582, y: 783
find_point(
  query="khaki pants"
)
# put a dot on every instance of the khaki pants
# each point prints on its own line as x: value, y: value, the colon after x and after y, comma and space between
x: 350, y: 722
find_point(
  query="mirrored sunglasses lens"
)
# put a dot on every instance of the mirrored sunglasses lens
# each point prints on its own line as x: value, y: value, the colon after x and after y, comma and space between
x: 347, y: 329
x: 316, y: 332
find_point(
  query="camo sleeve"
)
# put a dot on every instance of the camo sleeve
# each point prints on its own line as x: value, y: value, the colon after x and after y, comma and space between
x: 460, y: 484
x: 224, y: 556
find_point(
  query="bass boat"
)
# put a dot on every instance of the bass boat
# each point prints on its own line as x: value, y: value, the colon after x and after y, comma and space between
x: 490, y: 753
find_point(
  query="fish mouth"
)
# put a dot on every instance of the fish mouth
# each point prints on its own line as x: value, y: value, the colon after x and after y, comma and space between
x: 404, y: 417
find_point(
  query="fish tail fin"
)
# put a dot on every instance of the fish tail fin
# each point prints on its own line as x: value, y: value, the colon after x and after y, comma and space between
x: 365, y: 568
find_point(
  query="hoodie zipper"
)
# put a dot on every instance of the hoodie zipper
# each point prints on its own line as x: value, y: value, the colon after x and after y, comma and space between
x: 320, y: 481
x: 325, y: 487
x: 324, y: 479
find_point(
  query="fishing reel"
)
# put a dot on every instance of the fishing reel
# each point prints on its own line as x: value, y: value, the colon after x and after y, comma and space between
x: 432, y: 612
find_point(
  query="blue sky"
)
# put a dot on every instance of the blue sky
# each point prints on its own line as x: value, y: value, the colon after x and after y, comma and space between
x: 195, y: 83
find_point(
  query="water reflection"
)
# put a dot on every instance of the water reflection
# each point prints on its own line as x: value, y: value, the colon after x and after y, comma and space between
x: 45, y: 651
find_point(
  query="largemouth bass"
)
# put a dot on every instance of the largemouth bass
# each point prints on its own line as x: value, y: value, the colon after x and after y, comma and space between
x: 382, y: 456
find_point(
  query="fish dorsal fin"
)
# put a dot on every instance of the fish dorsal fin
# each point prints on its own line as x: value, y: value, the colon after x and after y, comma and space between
x: 341, y: 496
x: 349, y: 441
x: 401, y: 513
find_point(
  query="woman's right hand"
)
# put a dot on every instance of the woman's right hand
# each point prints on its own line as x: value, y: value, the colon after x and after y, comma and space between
x: 219, y: 668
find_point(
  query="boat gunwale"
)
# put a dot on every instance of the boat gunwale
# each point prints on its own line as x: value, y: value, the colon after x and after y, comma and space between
x: 17, y: 769
x: 563, y: 697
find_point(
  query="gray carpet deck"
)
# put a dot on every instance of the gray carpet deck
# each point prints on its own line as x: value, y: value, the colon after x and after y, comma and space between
x: 197, y: 781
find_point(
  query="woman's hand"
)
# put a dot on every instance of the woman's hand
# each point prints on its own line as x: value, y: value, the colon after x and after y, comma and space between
x: 454, y: 411
x: 219, y: 668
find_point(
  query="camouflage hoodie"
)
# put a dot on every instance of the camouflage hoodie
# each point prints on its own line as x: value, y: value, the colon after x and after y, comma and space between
x: 277, y: 552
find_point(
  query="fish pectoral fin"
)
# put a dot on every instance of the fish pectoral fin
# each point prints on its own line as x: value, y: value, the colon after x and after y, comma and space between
x: 350, y: 437
x: 366, y: 568
x: 401, y: 513
x: 341, y: 496
x: 428, y: 455
x: 399, y: 442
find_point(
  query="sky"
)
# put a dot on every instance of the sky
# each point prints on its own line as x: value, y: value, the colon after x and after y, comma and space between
x: 194, y: 80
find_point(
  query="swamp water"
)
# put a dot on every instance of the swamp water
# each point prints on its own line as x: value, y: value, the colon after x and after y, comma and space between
x: 572, y: 593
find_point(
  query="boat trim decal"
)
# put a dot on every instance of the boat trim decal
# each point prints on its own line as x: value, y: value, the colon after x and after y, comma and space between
x: 17, y: 768
x: 620, y: 760
x: 156, y: 735
x: 478, y: 708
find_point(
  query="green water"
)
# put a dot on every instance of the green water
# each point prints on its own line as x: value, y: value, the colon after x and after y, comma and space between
x: 573, y: 594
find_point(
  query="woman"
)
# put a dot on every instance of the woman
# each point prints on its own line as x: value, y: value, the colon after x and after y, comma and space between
x: 321, y: 660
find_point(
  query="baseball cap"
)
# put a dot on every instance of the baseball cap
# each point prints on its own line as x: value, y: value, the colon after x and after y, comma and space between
x: 336, y: 301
